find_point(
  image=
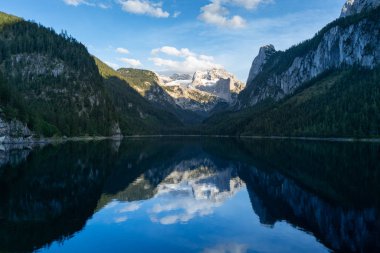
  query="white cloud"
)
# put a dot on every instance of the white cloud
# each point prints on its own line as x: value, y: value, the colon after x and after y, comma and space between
x: 92, y: 3
x: 112, y: 65
x: 172, y: 51
x: 131, y: 62
x: 144, y: 7
x: 183, y: 209
x: 190, y: 62
x: 247, y: 4
x: 176, y: 14
x: 104, y: 6
x: 74, y: 2
x: 215, y: 14
x: 122, y: 50
x: 130, y: 208
x: 121, y: 219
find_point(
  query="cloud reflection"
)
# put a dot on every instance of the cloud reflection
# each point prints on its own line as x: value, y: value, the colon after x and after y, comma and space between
x: 184, y: 195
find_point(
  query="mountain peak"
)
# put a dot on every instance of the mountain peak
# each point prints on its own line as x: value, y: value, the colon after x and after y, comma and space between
x: 352, y: 7
x: 264, y: 53
x: 212, y: 74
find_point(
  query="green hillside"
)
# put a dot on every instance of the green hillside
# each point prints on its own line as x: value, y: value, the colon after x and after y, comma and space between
x: 146, y: 83
x: 340, y: 103
x: 280, y: 61
x: 50, y: 81
x: 136, y: 115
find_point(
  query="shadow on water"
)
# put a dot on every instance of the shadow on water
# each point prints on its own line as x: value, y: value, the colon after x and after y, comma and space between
x: 328, y: 189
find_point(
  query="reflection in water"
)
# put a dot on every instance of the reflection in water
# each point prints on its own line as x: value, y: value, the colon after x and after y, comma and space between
x: 171, y: 192
x: 185, y: 194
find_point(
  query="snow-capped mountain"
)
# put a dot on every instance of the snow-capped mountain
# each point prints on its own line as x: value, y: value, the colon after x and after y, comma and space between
x: 204, y: 90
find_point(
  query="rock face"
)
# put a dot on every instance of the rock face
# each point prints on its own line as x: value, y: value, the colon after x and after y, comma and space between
x: 218, y: 82
x: 204, y: 91
x: 258, y: 63
x: 352, y: 7
x: 13, y: 131
x: 276, y: 74
x: 189, y: 98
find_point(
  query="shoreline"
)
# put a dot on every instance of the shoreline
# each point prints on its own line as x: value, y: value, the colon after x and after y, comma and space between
x: 119, y: 138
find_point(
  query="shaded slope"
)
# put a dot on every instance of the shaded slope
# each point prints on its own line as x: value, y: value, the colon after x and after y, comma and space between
x: 147, y: 84
x: 136, y: 115
x: 50, y: 81
x: 340, y: 103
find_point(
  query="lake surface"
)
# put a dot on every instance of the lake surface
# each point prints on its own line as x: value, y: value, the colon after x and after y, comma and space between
x: 191, y: 195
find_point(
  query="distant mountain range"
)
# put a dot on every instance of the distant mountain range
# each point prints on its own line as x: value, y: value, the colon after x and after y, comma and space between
x: 327, y: 86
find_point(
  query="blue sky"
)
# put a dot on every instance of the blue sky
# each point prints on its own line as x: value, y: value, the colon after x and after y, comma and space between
x: 170, y: 36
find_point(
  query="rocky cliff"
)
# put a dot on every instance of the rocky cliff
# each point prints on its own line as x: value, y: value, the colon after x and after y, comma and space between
x: 354, y: 40
x: 218, y: 82
x: 204, y: 91
x: 13, y: 131
x: 258, y: 63
x: 352, y: 7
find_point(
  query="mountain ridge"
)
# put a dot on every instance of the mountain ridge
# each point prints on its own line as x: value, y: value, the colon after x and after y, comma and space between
x: 51, y: 86
x: 352, y: 40
x: 322, y: 87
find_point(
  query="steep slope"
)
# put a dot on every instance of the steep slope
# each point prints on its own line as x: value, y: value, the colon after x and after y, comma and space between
x: 324, y: 87
x: 148, y: 85
x: 340, y: 103
x: 50, y: 85
x: 50, y: 82
x: 136, y: 114
x: 352, y: 7
x: 145, y: 82
x: 349, y: 41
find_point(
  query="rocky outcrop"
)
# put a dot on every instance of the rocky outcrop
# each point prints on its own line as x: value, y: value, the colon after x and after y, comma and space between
x: 14, y: 131
x: 338, y: 45
x: 260, y: 60
x: 352, y: 7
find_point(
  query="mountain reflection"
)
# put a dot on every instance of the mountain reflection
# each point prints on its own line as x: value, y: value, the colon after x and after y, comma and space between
x: 185, y: 193
x: 328, y: 189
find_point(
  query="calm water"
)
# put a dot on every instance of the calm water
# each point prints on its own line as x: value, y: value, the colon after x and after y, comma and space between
x: 191, y: 195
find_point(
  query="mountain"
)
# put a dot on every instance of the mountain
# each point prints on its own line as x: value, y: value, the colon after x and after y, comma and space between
x: 149, y: 85
x: 350, y: 41
x: 326, y: 86
x: 135, y: 114
x: 51, y: 86
x: 146, y: 83
x: 204, y: 91
x: 190, y: 98
x: 352, y: 7
x: 50, y: 82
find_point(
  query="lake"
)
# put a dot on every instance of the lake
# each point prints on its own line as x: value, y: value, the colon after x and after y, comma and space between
x: 206, y: 195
